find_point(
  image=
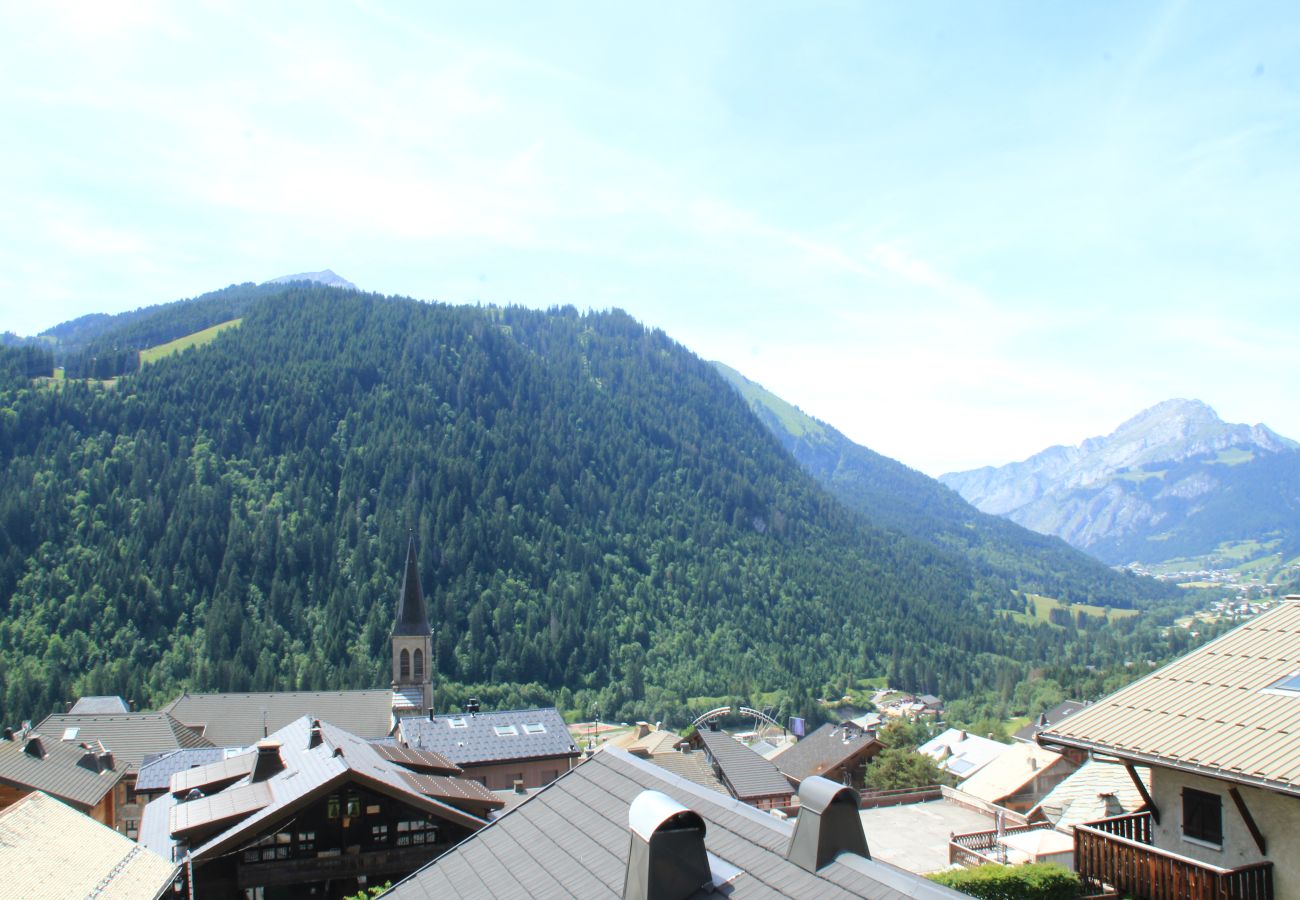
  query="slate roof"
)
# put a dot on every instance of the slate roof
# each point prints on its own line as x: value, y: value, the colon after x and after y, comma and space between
x: 98, y: 706
x: 130, y: 736
x: 825, y: 749
x: 1097, y: 791
x: 157, y: 769
x: 412, y: 617
x: 478, y: 742
x: 247, y: 808
x: 1218, y: 711
x: 57, y: 771
x: 241, y: 720
x: 1050, y: 717
x: 571, y: 839
x: 746, y: 774
x: 52, y: 851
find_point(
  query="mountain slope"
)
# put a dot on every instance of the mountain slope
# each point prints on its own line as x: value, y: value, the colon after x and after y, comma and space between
x: 1173, y: 482
x: 891, y: 495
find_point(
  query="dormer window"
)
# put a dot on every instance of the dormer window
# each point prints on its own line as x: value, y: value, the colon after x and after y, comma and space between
x: 457, y: 722
x: 505, y: 730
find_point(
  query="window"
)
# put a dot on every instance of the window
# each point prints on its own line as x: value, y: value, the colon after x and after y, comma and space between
x: 457, y: 722
x: 70, y: 733
x: 307, y: 841
x: 404, y: 665
x: 1203, y: 817
x: 419, y: 663
x: 379, y: 834
x: 332, y: 807
x: 416, y: 831
x: 1290, y: 684
x: 505, y: 730
x: 354, y: 805
x: 534, y: 728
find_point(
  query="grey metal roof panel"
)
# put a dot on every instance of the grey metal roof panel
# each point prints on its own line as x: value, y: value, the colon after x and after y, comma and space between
x: 747, y: 774
x: 571, y: 839
x: 693, y: 767
x: 472, y: 739
x: 98, y: 706
x: 157, y: 769
x: 241, y: 720
x: 826, y: 748
x: 57, y: 771
x: 130, y: 737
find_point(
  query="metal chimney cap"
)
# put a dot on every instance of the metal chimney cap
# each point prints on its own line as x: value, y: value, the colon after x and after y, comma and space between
x: 652, y: 809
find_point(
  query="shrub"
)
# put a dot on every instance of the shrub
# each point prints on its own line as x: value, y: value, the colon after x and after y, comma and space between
x: 1034, y: 881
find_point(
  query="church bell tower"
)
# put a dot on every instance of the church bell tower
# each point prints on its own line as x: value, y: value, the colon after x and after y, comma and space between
x: 412, y: 642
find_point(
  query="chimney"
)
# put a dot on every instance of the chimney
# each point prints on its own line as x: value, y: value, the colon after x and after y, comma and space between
x: 314, y: 739
x: 8, y: 733
x: 105, y: 759
x: 89, y: 759
x: 1033, y: 763
x: 666, y: 858
x: 962, y: 735
x: 642, y: 729
x: 35, y: 747
x: 268, y: 760
x: 519, y: 786
x: 828, y: 824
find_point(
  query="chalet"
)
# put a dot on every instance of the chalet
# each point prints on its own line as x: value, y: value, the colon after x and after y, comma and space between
x: 837, y: 752
x: 313, y: 811
x: 129, y: 737
x: 961, y: 753
x: 619, y: 826
x: 1019, y: 777
x: 747, y: 776
x: 81, y: 774
x: 49, y: 850
x: 532, y: 746
x: 1216, y: 727
x: 155, y: 776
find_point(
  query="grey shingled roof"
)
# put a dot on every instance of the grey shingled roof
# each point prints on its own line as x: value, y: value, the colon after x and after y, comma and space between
x: 1048, y: 718
x: 747, y: 775
x: 571, y: 840
x: 129, y: 736
x: 237, y: 720
x: 478, y: 742
x: 247, y: 809
x: 827, y: 747
x: 98, y: 706
x: 58, y: 771
x: 693, y: 766
x: 157, y: 769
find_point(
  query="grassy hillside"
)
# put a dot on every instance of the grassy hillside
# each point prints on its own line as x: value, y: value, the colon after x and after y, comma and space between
x: 197, y: 339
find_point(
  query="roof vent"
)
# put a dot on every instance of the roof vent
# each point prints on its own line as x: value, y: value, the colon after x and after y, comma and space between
x: 89, y: 759
x: 519, y: 786
x: 34, y: 747
x: 8, y: 733
x: 314, y: 739
x: 828, y: 824
x: 268, y: 760
x: 666, y: 858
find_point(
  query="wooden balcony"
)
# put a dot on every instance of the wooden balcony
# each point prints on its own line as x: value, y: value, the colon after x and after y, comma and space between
x: 978, y: 848
x: 1115, y: 857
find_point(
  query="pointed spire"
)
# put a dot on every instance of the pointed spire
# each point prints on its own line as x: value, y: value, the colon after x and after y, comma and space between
x: 412, y: 618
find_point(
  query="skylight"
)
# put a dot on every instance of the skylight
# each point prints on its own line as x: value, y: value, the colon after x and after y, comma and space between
x: 457, y: 722
x: 1290, y: 684
x: 534, y: 728
x: 505, y: 730
x: 70, y: 734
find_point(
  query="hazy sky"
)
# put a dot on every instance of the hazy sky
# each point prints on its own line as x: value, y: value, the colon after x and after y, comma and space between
x: 959, y: 232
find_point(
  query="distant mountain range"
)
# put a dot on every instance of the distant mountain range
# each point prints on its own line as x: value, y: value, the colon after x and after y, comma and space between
x: 1175, y: 482
x: 891, y: 495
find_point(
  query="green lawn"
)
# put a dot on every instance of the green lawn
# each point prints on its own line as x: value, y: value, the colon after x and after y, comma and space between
x: 197, y: 339
x: 1043, y: 607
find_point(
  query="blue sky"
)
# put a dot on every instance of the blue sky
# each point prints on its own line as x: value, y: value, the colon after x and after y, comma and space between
x: 958, y: 232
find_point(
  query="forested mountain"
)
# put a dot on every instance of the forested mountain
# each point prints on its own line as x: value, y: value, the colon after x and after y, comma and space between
x: 1173, y: 482
x: 601, y: 520
x: 1004, y: 555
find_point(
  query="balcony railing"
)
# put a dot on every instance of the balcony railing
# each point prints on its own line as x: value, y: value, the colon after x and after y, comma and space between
x: 1116, y: 856
x: 980, y: 847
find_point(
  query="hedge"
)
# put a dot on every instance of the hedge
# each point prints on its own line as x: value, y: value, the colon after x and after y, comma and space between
x: 1034, y: 881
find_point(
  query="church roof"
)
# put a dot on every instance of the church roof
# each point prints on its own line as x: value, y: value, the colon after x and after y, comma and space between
x: 412, y: 617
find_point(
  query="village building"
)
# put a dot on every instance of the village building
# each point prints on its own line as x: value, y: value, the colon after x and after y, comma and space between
x: 747, y: 776
x: 313, y: 811
x: 620, y: 826
x: 840, y: 753
x: 960, y: 753
x: 530, y: 746
x: 83, y: 775
x: 49, y: 850
x: 1019, y: 777
x: 1052, y: 716
x: 1216, y: 727
x: 129, y: 737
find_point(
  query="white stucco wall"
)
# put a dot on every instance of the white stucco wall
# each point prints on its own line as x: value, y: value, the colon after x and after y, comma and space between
x: 1276, y: 815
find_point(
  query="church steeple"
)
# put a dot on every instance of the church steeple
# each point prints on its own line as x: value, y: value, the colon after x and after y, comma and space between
x: 412, y: 617
x: 412, y: 642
